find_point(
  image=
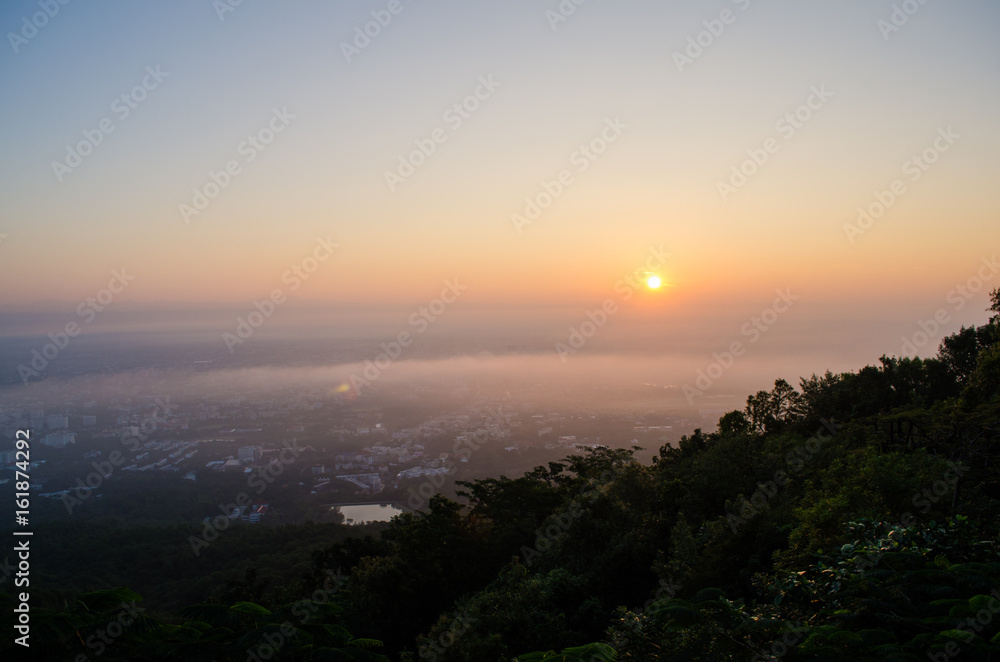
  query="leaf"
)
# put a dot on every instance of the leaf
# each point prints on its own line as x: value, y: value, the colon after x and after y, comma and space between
x: 846, y: 638
x: 588, y: 653
x: 109, y: 599
x: 708, y: 594
x: 876, y: 637
x: 365, y: 643
x: 536, y: 656
x: 250, y: 608
x: 961, y: 635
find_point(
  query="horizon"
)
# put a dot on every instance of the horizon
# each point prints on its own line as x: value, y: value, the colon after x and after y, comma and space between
x: 286, y: 177
x: 604, y: 330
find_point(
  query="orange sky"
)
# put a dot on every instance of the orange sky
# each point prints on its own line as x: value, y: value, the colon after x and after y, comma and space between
x: 661, y: 142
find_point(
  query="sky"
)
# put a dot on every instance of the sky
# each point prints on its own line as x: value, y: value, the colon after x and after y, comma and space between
x: 534, y: 152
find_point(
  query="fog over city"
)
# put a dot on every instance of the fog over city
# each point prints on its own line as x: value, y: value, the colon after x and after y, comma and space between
x: 520, y: 331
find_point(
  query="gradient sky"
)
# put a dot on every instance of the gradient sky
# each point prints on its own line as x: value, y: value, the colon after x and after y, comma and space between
x: 656, y: 185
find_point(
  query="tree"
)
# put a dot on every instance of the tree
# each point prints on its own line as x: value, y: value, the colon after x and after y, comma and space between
x: 734, y: 423
x: 960, y: 351
x: 771, y: 411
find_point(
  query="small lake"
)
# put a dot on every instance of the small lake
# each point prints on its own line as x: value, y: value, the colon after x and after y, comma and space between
x: 364, y: 513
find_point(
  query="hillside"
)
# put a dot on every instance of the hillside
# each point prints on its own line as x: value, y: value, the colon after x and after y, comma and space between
x: 851, y: 518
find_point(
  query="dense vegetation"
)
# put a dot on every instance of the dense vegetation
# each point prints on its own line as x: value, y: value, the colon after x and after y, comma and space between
x: 852, y: 518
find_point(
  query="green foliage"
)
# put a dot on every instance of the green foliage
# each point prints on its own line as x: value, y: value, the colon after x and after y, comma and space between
x: 246, y: 563
x: 994, y: 306
x: 588, y: 653
x: 112, y: 625
x: 852, y: 519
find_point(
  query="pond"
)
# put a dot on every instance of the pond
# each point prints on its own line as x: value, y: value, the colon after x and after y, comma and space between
x: 364, y: 513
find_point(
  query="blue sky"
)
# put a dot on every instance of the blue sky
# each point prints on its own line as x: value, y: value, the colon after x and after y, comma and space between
x: 326, y: 174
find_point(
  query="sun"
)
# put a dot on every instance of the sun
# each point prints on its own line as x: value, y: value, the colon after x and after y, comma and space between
x: 654, y: 282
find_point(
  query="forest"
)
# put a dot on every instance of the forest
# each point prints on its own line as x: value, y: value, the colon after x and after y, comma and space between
x: 851, y: 517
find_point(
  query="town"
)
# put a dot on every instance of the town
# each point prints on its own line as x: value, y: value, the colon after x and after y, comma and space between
x: 355, y: 447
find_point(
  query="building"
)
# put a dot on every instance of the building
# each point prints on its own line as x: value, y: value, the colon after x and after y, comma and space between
x: 418, y: 472
x: 249, y: 454
x: 257, y: 513
x: 352, y: 460
x: 56, y: 422
x: 59, y: 439
x: 368, y: 483
x: 89, y: 420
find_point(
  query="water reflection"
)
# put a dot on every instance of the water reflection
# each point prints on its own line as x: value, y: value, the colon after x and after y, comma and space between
x: 364, y: 513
